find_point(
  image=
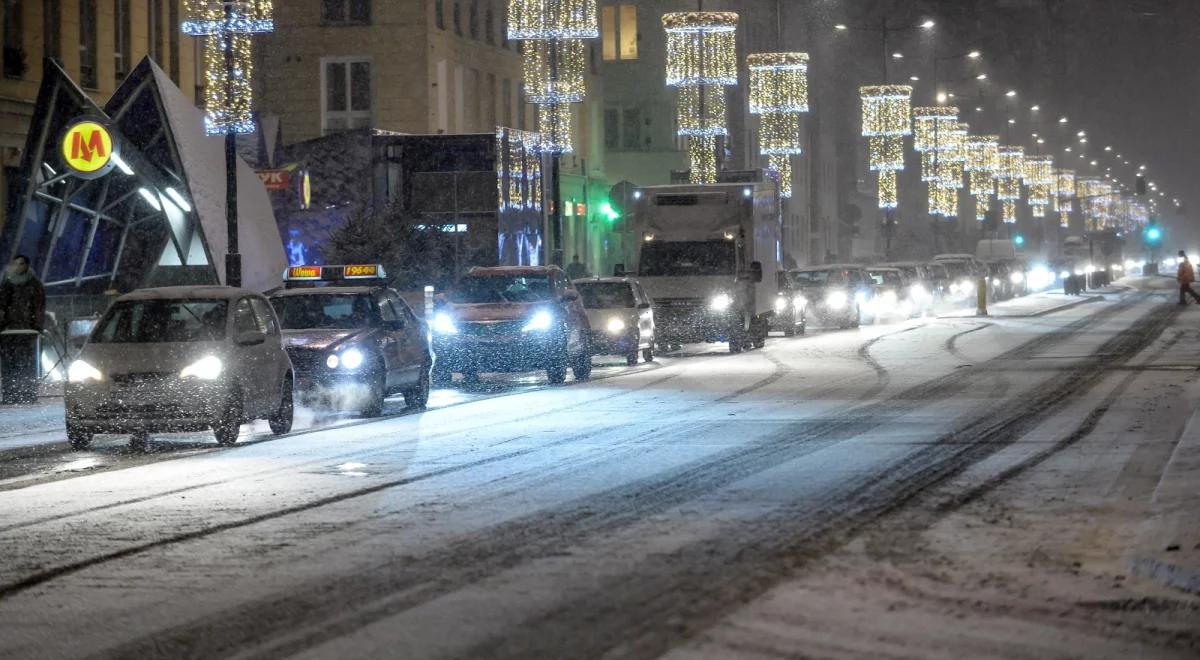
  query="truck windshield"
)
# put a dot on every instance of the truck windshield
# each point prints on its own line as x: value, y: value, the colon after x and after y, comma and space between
x: 681, y: 258
x: 162, y: 321
x: 324, y: 311
x: 501, y: 289
x: 605, y: 295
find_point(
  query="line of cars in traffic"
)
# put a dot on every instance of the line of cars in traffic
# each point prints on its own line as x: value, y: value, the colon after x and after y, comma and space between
x: 214, y: 358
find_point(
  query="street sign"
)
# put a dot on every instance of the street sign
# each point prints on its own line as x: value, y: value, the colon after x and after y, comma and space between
x: 275, y: 180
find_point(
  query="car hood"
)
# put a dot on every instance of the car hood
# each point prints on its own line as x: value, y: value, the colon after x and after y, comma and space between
x: 118, y: 359
x: 485, y: 312
x: 318, y: 339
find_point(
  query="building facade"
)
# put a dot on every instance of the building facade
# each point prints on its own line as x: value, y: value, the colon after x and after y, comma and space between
x: 97, y: 42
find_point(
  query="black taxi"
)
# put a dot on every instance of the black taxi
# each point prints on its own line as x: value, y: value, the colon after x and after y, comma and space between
x: 353, y: 341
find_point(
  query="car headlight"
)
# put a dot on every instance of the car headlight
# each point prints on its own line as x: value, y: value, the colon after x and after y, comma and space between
x: 781, y: 304
x: 332, y: 361
x: 1017, y: 278
x: 442, y: 324
x: 538, y: 322
x: 1064, y: 274
x: 616, y: 326
x: 860, y: 297
x: 966, y: 286
x: 206, y: 368
x: 917, y: 291
x: 800, y: 302
x: 82, y: 372
x: 720, y: 302
x: 889, y: 298
x: 351, y: 358
x: 836, y: 300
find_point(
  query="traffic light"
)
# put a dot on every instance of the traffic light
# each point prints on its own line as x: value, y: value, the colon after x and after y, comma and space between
x: 1018, y: 240
x: 609, y: 213
x: 1153, y: 234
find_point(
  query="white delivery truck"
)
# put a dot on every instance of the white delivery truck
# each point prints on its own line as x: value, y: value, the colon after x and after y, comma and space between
x: 708, y: 255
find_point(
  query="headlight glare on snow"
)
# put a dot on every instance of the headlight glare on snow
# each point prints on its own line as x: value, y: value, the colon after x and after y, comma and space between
x: 1017, y: 277
x: 82, y: 372
x: 781, y: 304
x: 720, y: 302
x: 615, y: 326
x: 443, y: 324
x: 539, y: 322
x: 836, y: 300
x: 352, y: 358
x: 206, y: 368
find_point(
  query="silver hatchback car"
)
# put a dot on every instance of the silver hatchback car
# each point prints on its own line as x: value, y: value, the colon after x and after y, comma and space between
x: 180, y: 359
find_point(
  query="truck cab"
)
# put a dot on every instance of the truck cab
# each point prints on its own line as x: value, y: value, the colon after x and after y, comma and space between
x: 708, y: 256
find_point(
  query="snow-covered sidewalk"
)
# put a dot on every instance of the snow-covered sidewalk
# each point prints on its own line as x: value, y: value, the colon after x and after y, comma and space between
x: 1035, y: 304
x: 27, y: 425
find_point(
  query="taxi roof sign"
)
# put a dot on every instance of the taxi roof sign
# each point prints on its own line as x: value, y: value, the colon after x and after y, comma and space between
x: 339, y: 273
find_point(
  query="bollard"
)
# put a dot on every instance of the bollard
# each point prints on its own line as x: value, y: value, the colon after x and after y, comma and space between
x: 981, y: 297
x: 428, y: 301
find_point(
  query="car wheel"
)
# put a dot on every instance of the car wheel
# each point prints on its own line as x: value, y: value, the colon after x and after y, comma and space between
x: 582, y: 368
x: 229, y: 426
x: 736, y: 345
x: 418, y: 396
x: 557, y: 374
x: 441, y: 377
x: 281, y: 419
x: 78, y: 437
x: 374, y: 406
x: 648, y: 354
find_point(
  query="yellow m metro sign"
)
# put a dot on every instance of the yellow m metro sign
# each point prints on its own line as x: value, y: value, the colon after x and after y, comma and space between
x: 88, y: 149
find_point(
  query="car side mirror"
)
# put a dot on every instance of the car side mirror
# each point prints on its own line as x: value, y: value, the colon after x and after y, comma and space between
x: 570, y: 296
x: 251, y: 338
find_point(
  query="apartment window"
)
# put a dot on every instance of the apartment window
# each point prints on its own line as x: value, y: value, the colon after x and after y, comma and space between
x: 173, y: 37
x: 473, y: 19
x: 346, y: 87
x: 457, y: 19
x: 14, y: 40
x: 345, y: 12
x: 612, y: 128
x: 618, y: 24
x: 88, y: 74
x: 52, y: 30
x: 121, y: 30
x: 439, y: 14
x: 489, y: 26
x: 154, y: 33
x: 631, y: 128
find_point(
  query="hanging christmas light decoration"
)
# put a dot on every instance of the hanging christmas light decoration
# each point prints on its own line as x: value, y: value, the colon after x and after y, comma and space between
x: 1008, y: 189
x: 701, y: 48
x: 778, y: 82
x: 554, y: 121
x: 887, y: 118
x: 1066, y: 192
x: 1040, y: 180
x: 554, y: 71
x: 929, y: 122
x: 781, y: 164
x: 983, y: 159
x: 552, y: 19
x: 225, y: 29
x: 701, y: 60
x: 779, y: 133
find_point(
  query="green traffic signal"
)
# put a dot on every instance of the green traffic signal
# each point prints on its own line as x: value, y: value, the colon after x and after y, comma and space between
x: 606, y: 208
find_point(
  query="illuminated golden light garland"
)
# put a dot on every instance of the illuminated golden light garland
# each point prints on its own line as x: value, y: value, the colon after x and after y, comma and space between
x: 1040, y: 179
x: 782, y: 165
x: 1066, y: 192
x: 886, y: 152
x: 554, y: 122
x: 701, y: 48
x: 886, y: 110
x: 778, y: 82
x: 554, y: 71
x: 888, y: 195
x: 779, y: 133
x: 228, y: 92
x: 702, y: 152
x: 929, y: 122
x: 552, y: 19
x: 943, y: 201
x: 696, y: 118
x: 983, y: 159
x: 519, y: 166
x: 1008, y: 190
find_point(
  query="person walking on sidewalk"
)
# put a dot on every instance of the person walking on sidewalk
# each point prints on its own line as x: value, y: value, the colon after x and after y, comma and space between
x: 22, y: 310
x: 1185, y: 277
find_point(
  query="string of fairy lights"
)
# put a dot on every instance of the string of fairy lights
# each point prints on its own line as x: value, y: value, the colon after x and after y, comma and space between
x: 225, y: 30
x: 779, y: 95
x: 701, y: 63
x: 886, y: 119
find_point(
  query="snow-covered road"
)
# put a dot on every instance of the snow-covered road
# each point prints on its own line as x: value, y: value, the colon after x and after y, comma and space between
x: 709, y: 506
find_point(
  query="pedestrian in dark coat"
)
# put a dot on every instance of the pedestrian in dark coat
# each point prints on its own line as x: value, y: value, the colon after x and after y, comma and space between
x: 22, y: 298
x: 22, y: 313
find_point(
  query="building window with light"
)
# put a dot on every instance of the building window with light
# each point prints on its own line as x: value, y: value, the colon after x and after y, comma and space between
x: 121, y: 30
x: 618, y: 26
x: 52, y: 29
x: 88, y: 73
x: 14, y: 41
x: 345, y: 12
x: 346, y: 94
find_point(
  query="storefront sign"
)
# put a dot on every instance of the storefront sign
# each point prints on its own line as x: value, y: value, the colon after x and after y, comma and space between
x: 88, y: 149
x: 275, y: 180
